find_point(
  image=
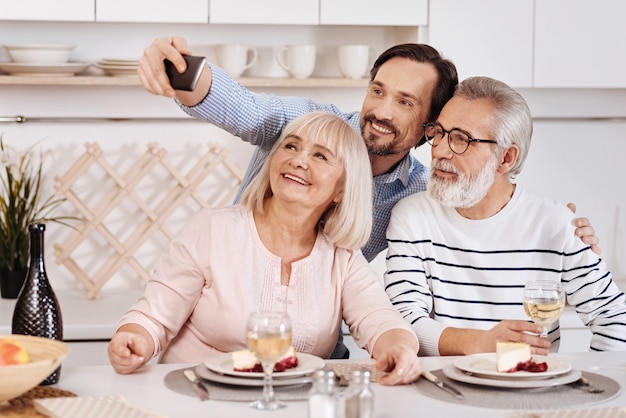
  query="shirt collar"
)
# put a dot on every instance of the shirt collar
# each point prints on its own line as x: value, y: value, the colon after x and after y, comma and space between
x: 400, y: 172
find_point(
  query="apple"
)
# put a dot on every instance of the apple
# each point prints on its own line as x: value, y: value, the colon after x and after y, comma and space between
x: 12, y: 352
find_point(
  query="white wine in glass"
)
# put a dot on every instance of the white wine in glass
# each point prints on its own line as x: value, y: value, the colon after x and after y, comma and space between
x: 269, y: 337
x: 544, y: 301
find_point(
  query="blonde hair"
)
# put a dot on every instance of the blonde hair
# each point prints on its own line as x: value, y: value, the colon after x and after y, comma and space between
x: 348, y: 223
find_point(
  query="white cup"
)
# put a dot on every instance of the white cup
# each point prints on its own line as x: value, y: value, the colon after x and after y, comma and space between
x: 235, y: 58
x: 298, y: 60
x: 266, y: 65
x: 353, y: 60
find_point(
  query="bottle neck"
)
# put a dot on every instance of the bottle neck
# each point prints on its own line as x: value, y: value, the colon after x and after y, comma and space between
x: 36, y: 247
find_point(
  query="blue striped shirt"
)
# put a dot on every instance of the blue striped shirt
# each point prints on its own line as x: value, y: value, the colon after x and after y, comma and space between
x: 259, y: 118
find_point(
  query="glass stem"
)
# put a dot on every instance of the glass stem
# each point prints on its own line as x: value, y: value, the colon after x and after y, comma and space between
x: 544, y: 333
x: 268, y: 389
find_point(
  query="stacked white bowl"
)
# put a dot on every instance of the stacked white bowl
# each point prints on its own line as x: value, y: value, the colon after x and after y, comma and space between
x: 40, y: 53
x: 41, y: 59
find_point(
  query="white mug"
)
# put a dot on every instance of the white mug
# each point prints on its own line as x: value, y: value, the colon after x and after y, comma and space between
x: 354, y: 60
x: 235, y: 58
x: 298, y: 60
x: 266, y: 65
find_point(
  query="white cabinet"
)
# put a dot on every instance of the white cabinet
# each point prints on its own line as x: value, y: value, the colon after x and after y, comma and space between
x: 374, y: 12
x: 265, y: 12
x: 580, y: 44
x: 533, y: 43
x: 316, y: 12
x: 485, y: 37
x: 180, y: 11
x: 63, y: 10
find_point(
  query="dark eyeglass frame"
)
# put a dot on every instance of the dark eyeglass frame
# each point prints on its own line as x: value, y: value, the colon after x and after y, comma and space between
x: 469, y: 140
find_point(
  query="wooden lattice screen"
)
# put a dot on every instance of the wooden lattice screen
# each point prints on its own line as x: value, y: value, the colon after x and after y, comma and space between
x: 180, y: 190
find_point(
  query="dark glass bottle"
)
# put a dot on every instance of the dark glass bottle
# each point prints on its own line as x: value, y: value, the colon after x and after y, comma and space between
x: 37, y: 311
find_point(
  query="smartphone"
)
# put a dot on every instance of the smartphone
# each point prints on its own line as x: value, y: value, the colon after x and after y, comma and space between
x: 185, y: 81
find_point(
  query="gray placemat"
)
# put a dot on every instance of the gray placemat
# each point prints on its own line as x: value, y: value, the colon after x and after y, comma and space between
x: 526, y: 399
x: 176, y: 381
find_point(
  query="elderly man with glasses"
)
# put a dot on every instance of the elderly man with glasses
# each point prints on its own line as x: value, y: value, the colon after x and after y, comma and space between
x: 460, y: 254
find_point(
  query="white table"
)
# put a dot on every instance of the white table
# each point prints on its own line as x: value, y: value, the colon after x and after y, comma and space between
x: 145, y: 389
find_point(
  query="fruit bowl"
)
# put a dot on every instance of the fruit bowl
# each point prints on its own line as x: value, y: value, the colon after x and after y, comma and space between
x: 45, y: 356
x: 40, y: 53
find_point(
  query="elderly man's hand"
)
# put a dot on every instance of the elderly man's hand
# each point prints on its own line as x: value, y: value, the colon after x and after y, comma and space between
x: 585, y: 231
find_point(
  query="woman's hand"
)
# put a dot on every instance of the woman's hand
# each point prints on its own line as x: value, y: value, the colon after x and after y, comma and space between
x: 395, y: 352
x: 129, y: 348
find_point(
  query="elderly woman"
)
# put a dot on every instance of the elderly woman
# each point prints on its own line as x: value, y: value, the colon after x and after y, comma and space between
x: 291, y: 245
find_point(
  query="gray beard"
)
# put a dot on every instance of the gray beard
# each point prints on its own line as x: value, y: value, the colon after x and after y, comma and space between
x: 466, y: 191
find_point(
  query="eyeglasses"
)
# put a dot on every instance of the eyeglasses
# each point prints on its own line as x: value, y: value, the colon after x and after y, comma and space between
x: 458, y: 140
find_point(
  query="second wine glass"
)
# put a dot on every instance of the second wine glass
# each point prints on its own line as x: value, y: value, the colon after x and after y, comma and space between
x: 269, y: 337
x: 544, y: 301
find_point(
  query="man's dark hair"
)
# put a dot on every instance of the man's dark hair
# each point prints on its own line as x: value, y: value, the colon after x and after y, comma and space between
x: 446, y: 70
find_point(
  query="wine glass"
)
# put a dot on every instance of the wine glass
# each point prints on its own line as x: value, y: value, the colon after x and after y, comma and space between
x: 269, y: 337
x: 544, y: 301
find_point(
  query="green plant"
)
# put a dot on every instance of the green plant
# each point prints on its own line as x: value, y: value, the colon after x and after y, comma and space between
x: 21, y: 204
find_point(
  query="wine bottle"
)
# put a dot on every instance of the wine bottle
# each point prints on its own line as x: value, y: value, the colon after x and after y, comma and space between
x: 37, y: 311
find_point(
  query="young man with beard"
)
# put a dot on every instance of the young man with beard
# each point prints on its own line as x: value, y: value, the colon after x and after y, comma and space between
x: 460, y: 254
x: 409, y: 85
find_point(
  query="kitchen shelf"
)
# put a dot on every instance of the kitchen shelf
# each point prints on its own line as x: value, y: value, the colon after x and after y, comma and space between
x: 39, y: 80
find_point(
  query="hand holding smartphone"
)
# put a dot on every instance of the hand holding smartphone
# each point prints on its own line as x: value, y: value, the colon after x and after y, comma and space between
x: 187, y: 80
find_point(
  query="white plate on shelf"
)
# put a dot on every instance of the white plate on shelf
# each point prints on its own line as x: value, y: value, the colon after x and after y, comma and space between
x: 484, y: 365
x: 211, y: 376
x: 59, y: 70
x: 117, y: 70
x: 120, y: 62
x: 223, y: 364
x: 454, y: 373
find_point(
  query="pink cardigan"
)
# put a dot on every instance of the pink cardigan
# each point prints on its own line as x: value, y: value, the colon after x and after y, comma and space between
x: 217, y: 270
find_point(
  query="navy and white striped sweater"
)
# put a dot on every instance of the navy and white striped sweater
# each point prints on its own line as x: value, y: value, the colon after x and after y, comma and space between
x: 445, y: 270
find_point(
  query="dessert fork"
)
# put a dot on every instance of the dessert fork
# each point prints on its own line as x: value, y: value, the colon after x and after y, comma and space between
x: 583, y: 383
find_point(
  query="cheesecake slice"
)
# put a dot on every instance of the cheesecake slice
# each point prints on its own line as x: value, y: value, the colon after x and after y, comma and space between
x: 246, y: 361
x: 511, y: 357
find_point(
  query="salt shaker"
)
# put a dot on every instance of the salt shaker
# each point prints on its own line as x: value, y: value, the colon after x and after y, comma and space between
x: 322, y: 401
x: 359, y: 397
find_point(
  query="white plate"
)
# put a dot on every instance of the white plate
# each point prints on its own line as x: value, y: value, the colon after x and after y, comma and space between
x: 207, y: 374
x: 484, y: 365
x: 223, y: 364
x: 115, y: 61
x: 59, y: 70
x: 117, y: 70
x: 457, y: 374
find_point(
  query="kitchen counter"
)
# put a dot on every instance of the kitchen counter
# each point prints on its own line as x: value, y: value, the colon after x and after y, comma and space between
x: 83, y: 319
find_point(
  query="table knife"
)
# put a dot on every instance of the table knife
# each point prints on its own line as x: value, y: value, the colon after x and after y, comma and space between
x: 200, y: 390
x: 448, y: 388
